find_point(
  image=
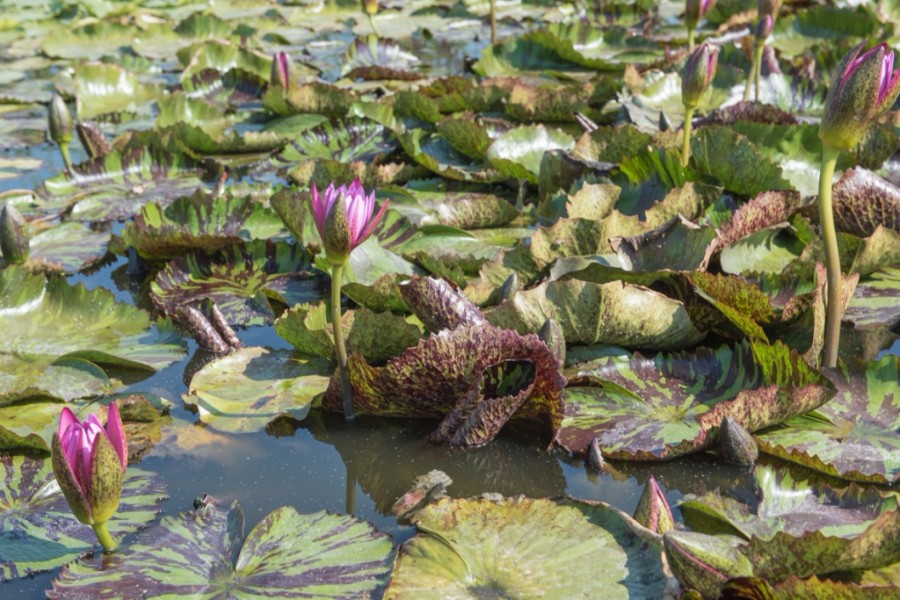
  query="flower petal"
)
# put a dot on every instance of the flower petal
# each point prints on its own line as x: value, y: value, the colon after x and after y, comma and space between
x: 116, y: 433
x: 373, y: 222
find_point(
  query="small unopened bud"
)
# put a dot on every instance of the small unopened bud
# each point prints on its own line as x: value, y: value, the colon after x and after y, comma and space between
x: 698, y: 74
x: 736, y: 444
x: 60, y: 121
x: 13, y: 236
x: 370, y: 6
x: 552, y: 335
x: 282, y: 71
x: 653, y: 510
x: 694, y: 10
x: 764, y: 28
x: 768, y: 8
x: 510, y: 287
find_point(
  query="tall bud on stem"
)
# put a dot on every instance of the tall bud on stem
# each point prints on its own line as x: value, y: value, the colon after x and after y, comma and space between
x: 60, y: 122
x: 863, y: 86
x: 694, y: 10
x: 696, y: 78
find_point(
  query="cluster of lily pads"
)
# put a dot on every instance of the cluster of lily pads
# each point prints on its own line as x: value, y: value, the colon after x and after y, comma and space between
x: 547, y: 259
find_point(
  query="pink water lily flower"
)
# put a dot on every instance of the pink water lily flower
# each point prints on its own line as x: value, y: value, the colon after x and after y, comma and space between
x: 344, y: 218
x: 864, y: 85
x: 89, y: 460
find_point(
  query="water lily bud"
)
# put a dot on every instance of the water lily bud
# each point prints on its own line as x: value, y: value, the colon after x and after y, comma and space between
x: 764, y: 28
x: 694, y: 10
x: 60, y: 121
x: 552, y: 335
x: 370, y: 6
x: 510, y: 287
x: 862, y: 87
x: 344, y: 218
x: 736, y: 444
x: 698, y: 74
x: 653, y: 510
x: 13, y: 236
x: 89, y: 461
x: 282, y: 71
x: 704, y: 562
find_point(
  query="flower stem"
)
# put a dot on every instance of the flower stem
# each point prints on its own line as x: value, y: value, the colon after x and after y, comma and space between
x: 374, y: 27
x: 493, y: 22
x: 106, y: 540
x: 690, y: 39
x: 832, y: 257
x: 757, y: 68
x: 67, y: 159
x: 346, y: 391
x: 686, y: 140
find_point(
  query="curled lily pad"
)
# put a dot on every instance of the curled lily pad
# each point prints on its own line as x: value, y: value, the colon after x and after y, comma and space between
x: 204, y: 553
x: 475, y: 377
x: 70, y: 247
x: 518, y: 152
x: 240, y: 279
x: 341, y: 140
x: 673, y: 404
x: 244, y: 391
x: 511, y: 547
x: 857, y: 438
x: 103, y: 89
x: 37, y: 529
x: 863, y: 201
x: 56, y: 329
x: 375, y: 58
x: 433, y: 152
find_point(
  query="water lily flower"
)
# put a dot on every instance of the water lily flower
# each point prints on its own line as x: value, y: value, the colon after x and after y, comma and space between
x: 694, y: 10
x: 696, y: 78
x: 344, y: 218
x: 863, y: 86
x: 281, y: 71
x: 89, y: 461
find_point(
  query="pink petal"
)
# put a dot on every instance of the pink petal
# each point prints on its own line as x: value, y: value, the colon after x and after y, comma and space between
x: 116, y: 433
x: 319, y: 211
x: 66, y: 419
x: 373, y: 222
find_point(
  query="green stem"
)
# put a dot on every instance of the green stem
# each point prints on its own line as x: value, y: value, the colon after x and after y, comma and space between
x: 106, y: 540
x: 493, y: 21
x: 686, y: 139
x: 832, y: 257
x: 374, y: 27
x: 757, y: 68
x: 346, y: 391
x: 64, y: 150
x: 690, y: 39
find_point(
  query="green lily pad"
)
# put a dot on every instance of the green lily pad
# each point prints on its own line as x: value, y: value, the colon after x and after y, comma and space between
x: 102, y: 89
x: 223, y: 56
x: 244, y: 391
x: 71, y: 247
x: 518, y: 152
x: 201, y: 141
x: 874, y: 303
x: 612, y: 313
x: 65, y: 331
x: 37, y: 529
x: 374, y: 58
x: 737, y: 164
x: 341, y: 140
x: 433, y: 152
x: 242, y: 280
x: 178, y: 108
x: 511, y: 548
x: 233, y: 88
x: 857, y: 438
x: 673, y: 404
x: 204, y: 553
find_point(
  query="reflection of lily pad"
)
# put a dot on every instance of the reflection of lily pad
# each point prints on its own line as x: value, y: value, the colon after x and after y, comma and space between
x: 858, y: 438
x: 244, y: 391
x: 240, y: 279
x: 37, y: 529
x: 511, y: 548
x: 203, y: 553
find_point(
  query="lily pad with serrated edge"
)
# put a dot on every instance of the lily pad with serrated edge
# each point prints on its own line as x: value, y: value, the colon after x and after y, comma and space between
x: 788, y: 505
x: 245, y: 390
x: 737, y: 164
x: 203, y: 553
x: 526, y: 548
x: 857, y: 439
x: 672, y: 404
x: 875, y: 301
x: 66, y: 331
x: 37, y: 529
x: 240, y: 279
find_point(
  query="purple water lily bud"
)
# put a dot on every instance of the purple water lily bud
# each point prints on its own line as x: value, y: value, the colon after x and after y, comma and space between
x: 344, y: 218
x: 653, y: 510
x: 89, y: 461
x: 698, y: 73
x: 282, y: 70
x: 862, y: 87
x: 764, y: 28
x: 768, y: 7
x: 694, y: 10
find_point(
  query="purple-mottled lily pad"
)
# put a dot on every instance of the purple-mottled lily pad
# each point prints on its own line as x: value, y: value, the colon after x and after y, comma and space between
x: 37, y: 529
x: 242, y: 280
x: 197, y: 222
x: 612, y: 313
x: 253, y: 143
x: 476, y: 377
x: 672, y: 404
x: 246, y: 390
x: 316, y: 98
x: 342, y: 140
x: 204, y: 553
x: 795, y: 507
x: 223, y: 56
x: 69, y: 247
x: 117, y: 185
x: 233, y: 88
x: 863, y: 201
x: 511, y: 548
x: 733, y: 160
x: 56, y: 335
x: 433, y: 152
x: 874, y: 304
x: 374, y: 58
x: 857, y: 438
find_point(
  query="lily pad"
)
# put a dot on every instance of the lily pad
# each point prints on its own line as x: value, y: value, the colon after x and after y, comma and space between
x: 735, y: 162
x: 511, y: 548
x: 204, y: 553
x: 37, y: 529
x: 244, y: 391
x: 856, y: 437
x: 874, y: 304
x: 71, y: 247
x: 673, y: 404
x: 518, y: 152
x: 341, y: 140
x: 241, y: 279
x: 52, y: 328
x: 102, y: 89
